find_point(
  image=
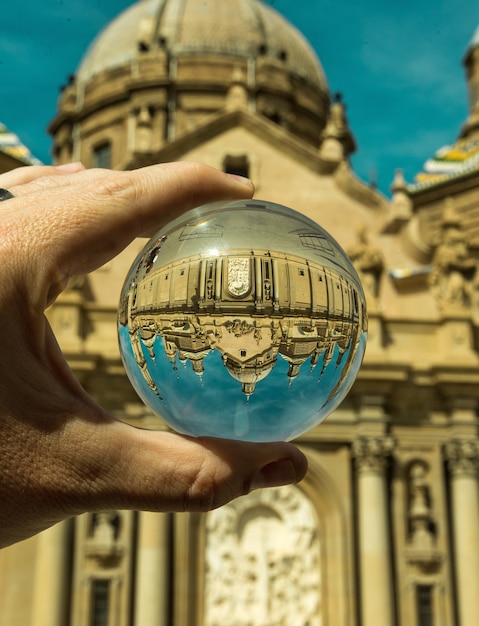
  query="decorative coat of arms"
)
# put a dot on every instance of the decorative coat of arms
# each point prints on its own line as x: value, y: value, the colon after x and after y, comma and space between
x: 239, y: 280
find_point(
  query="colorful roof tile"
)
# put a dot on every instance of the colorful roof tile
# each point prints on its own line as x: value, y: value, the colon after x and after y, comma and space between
x: 449, y: 162
x: 11, y: 145
x: 475, y: 39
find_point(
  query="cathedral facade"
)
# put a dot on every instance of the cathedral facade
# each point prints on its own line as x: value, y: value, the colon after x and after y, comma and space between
x: 384, y: 530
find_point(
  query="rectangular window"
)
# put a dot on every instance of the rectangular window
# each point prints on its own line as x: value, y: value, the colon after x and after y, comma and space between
x: 102, y: 155
x: 424, y: 601
x: 100, y: 602
x: 316, y: 242
x: 237, y: 164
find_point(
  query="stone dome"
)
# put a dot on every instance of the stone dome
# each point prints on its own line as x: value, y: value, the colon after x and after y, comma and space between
x: 203, y: 27
x: 164, y: 68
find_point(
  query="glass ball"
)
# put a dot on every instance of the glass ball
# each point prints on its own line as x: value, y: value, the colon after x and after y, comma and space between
x: 243, y: 320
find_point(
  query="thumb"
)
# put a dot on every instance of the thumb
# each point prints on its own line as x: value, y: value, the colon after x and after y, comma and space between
x: 162, y: 471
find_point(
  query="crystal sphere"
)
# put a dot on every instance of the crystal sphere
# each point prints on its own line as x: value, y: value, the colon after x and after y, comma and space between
x: 242, y: 320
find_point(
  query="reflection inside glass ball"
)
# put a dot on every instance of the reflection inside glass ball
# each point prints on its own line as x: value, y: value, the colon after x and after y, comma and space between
x: 242, y: 320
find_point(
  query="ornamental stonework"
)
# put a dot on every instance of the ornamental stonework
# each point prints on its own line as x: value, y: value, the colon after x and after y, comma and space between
x: 263, y: 561
x: 462, y: 456
x: 238, y: 277
x: 372, y: 453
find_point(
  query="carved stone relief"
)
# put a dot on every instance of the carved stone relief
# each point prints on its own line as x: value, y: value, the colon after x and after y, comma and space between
x: 368, y: 262
x: 453, y: 272
x: 103, y: 541
x: 263, y: 561
x: 462, y: 457
x: 371, y: 454
x: 421, y: 551
x: 420, y: 511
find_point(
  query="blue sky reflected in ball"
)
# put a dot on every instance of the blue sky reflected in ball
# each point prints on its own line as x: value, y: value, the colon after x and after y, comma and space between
x: 243, y: 320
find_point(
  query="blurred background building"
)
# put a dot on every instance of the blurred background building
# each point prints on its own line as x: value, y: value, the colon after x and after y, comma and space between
x: 384, y: 530
x: 13, y: 153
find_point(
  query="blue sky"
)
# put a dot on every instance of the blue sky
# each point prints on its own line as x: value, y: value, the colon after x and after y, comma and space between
x: 216, y: 406
x: 398, y: 66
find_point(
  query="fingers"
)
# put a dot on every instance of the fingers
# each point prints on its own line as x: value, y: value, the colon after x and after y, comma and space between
x: 160, y: 471
x: 87, y: 218
x: 24, y: 175
x: 51, y: 180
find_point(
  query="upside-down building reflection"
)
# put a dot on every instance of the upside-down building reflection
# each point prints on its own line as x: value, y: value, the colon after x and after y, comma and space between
x: 252, y: 306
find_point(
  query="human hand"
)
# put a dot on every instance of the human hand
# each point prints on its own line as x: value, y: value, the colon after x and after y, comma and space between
x: 60, y: 453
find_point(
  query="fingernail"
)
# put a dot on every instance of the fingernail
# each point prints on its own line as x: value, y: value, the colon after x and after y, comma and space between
x: 274, y: 475
x: 71, y: 167
x: 241, y: 179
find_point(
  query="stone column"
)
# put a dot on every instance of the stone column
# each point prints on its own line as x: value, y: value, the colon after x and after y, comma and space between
x: 219, y: 278
x: 463, y: 462
x: 203, y: 280
x: 51, y: 579
x: 377, y: 598
x: 152, y: 586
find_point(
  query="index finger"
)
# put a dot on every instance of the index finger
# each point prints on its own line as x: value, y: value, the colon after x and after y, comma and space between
x: 74, y: 229
x: 26, y: 174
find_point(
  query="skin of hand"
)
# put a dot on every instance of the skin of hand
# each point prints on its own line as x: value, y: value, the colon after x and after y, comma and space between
x: 61, y: 454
